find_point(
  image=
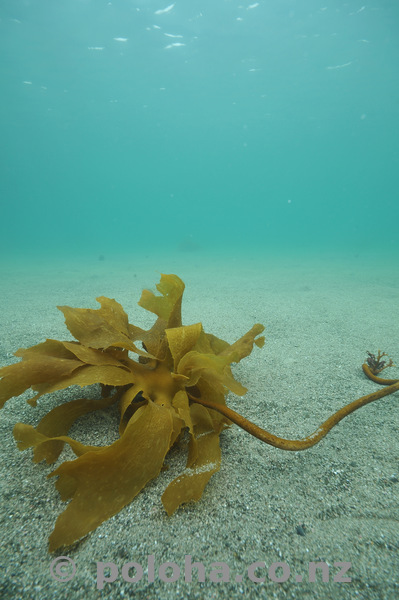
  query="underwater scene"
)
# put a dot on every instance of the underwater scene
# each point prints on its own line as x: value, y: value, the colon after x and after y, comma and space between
x: 199, y: 299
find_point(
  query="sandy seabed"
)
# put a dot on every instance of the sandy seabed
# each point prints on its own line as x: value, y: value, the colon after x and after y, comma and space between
x: 334, y: 503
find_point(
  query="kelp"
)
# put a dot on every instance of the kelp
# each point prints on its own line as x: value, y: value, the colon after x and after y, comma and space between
x: 151, y: 374
x: 165, y: 380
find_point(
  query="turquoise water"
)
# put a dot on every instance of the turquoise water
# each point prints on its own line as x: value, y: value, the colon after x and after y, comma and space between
x: 188, y: 126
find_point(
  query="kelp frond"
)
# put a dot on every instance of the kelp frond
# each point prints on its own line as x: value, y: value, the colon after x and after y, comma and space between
x: 152, y: 391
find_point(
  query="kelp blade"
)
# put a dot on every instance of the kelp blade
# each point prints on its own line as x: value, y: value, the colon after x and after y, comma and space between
x: 103, y: 482
x: 190, y: 485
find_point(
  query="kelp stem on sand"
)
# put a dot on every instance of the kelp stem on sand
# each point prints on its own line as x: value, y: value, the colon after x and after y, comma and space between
x: 316, y: 436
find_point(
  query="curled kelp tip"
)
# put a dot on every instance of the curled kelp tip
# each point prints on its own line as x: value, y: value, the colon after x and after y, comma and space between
x: 165, y: 380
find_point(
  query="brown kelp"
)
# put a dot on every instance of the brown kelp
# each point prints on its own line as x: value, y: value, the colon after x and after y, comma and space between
x: 165, y: 380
